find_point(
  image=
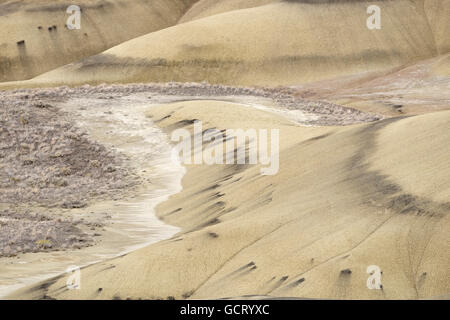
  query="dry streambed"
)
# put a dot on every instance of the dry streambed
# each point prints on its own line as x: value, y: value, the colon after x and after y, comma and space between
x: 80, y: 178
x: 82, y: 169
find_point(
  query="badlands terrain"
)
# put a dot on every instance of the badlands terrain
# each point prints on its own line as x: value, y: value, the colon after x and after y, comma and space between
x: 87, y: 176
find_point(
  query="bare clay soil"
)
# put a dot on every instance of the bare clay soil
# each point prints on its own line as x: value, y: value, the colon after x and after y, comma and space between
x: 47, y: 162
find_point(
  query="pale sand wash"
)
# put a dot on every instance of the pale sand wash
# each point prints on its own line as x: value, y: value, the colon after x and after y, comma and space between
x: 129, y: 223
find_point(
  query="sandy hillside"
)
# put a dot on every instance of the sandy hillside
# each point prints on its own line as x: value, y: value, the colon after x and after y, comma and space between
x: 48, y: 44
x: 442, y: 68
x: 438, y: 12
x: 418, y: 88
x: 301, y: 42
x: 345, y: 198
x: 206, y: 8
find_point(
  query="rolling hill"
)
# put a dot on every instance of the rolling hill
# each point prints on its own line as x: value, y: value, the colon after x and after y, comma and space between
x: 301, y: 42
x: 35, y: 38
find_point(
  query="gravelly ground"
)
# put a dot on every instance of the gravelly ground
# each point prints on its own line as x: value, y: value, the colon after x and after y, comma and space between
x: 32, y: 232
x: 47, y: 162
x: 327, y: 113
x: 45, y: 159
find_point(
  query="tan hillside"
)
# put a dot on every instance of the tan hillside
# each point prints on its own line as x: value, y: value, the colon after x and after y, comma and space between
x: 104, y: 24
x: 344, y: 199
x: 442, y: 68
x: 438, y: 13
x: 301, y: 42
x: 206, y: 8
x: 414, y: 89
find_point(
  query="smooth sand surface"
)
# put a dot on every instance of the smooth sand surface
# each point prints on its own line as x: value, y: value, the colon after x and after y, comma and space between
x: 343, y: 200
x: 300, y: 43
x: 207, y: 8
x: 104, y: 24
x: 438, y: 12
x: 442, y: 68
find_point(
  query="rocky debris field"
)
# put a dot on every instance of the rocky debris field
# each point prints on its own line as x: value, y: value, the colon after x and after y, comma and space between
x: 32, y: 232
x: 325, y: 113
x: 47, y: 162
x: 45, y: 159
